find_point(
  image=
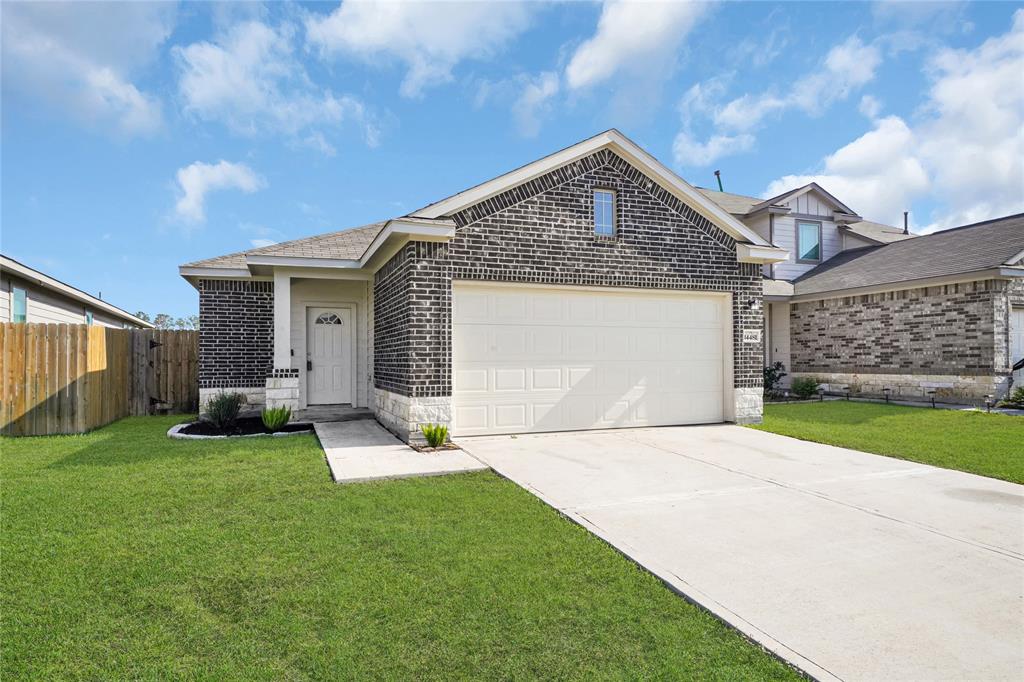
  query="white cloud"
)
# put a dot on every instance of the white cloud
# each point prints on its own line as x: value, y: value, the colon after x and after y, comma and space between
x: 688, y: 151
x: 251, y: 80
x: 877, y: 174
x: 534, y: 101
x: 870, y: 106
x: 199, y: 179
x: 965, y: 154
x: 846, y: 67
x: 257, y: 243
x: 430, y: 39
x: 81, y: 57
x: 632, y: 35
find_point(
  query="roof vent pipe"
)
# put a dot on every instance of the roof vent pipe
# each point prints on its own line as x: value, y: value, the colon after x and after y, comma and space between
x: 718, y: 176
x: 906, y: 230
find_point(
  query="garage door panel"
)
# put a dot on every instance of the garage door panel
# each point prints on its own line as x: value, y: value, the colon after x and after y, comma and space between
x: 553, y: 359
x: 547, y: 378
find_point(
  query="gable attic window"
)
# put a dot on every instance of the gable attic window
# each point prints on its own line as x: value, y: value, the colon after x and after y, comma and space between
x: 808, y: 241
x: 604, y: 213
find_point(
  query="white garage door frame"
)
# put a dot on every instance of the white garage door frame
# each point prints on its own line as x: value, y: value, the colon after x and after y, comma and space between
x: 724, y: 299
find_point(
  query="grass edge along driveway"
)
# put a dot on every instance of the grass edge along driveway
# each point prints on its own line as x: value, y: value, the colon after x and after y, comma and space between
x: 130, y: 555
x: 970, y: 441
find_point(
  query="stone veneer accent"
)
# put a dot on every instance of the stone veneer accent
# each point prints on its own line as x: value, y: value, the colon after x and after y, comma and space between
x: 542, y: 232
x: 950, y: 339
x: 236, y: 333
x: 403, y: 415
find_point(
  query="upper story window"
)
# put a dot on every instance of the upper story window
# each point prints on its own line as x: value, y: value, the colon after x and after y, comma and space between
x: 19, y: 305
x: 808, y: 241
x: 604, y: 213
x: 88, y: 317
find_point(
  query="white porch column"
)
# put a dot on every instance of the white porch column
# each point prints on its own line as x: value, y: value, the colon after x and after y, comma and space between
x: 282, y: 321
x: 282, y: 380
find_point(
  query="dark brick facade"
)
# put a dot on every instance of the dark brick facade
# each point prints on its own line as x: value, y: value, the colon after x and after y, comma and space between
x: 542, y: 232
x: 944, y: 330
x: 236, y: 333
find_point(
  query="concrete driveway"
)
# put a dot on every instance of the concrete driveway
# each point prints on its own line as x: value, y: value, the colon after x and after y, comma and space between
x: 851, y: 566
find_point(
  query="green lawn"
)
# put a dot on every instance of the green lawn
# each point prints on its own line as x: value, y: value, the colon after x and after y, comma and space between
x: 976, y: 442
x: 129, y: 555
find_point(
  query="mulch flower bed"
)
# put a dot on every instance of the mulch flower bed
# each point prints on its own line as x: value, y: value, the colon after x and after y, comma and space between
x: 244, y: 426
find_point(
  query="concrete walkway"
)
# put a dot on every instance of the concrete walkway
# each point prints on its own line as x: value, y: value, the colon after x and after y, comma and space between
x: 363, y: 450
x: 850, y: 565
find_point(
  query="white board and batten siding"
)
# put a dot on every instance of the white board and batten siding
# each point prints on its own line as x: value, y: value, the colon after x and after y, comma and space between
x: 534, y: 358
x: 809, y: 206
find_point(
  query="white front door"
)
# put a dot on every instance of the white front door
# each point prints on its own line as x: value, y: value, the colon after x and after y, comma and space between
x: 558, y: 358
x: 329, y: 356
x: 1017, y: 343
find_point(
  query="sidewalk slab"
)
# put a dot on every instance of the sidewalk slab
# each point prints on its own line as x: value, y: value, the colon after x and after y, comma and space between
x: 363, y: 450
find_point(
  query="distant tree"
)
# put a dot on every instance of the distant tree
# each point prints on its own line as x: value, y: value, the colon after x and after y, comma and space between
x: 165, y: 321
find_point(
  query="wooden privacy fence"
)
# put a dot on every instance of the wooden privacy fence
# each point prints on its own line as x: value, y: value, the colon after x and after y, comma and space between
x: 71, y: 378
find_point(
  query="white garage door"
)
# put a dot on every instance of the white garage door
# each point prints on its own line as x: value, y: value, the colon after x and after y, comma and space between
x: 554, y: 359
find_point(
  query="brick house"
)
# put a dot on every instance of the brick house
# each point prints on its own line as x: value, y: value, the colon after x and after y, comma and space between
x: 592, y: 288
x: 865, y: 307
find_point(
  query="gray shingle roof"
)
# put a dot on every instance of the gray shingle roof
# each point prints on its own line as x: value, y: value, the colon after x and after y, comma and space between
x: 885, y: 234
x: 737, y: 204
x: 961, y: 250
x: 347, y: 244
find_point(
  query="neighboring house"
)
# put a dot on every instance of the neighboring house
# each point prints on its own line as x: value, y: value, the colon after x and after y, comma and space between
x: 865, y: 307
x: 27, y: 295
x: 592, y: 288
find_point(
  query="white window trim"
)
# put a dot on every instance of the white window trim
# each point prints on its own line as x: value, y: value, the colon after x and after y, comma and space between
x: 14, y: 297
x: 821, y: 246
x: 615, y: 206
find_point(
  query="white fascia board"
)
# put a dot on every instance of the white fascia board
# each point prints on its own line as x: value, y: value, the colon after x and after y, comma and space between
x: 71, y: 292
x: 423, y: 230
x: 625, y: 148
x: 752, y: 253
x: 1013, y: 260
x: 223, y: 273
x: 301, y: 262
x: 409, y: 228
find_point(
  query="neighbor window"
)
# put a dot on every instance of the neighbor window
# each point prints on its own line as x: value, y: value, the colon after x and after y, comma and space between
x: 88, y: 317
x: 604, y: 213
x: 19, y: 305
x: 808, y: 241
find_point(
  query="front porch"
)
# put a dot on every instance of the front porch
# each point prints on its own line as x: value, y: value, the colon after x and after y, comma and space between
x: 322, y: 345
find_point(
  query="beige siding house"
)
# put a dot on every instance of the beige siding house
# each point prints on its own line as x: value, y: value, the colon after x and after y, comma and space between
x: 28, y: 295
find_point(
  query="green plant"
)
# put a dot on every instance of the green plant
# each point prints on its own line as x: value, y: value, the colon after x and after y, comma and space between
x: 804, y: 387
x: 1015, y: 399
x: 222, y: 410
x: 773, y: 377
x: 274, y: 418
x: 436, y: 434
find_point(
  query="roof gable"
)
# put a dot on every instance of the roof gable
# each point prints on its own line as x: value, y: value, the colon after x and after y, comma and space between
x: 621, y: 146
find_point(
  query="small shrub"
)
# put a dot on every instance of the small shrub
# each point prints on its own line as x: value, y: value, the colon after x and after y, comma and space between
x: 773, y: 378
x: 1015, y: 399
x: 274, y: 418
x: 436, y: 434
x: 222, y: 410
x: 805, y: 387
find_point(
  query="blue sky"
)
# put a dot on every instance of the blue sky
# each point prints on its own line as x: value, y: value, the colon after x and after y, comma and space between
x: 137, y: 137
